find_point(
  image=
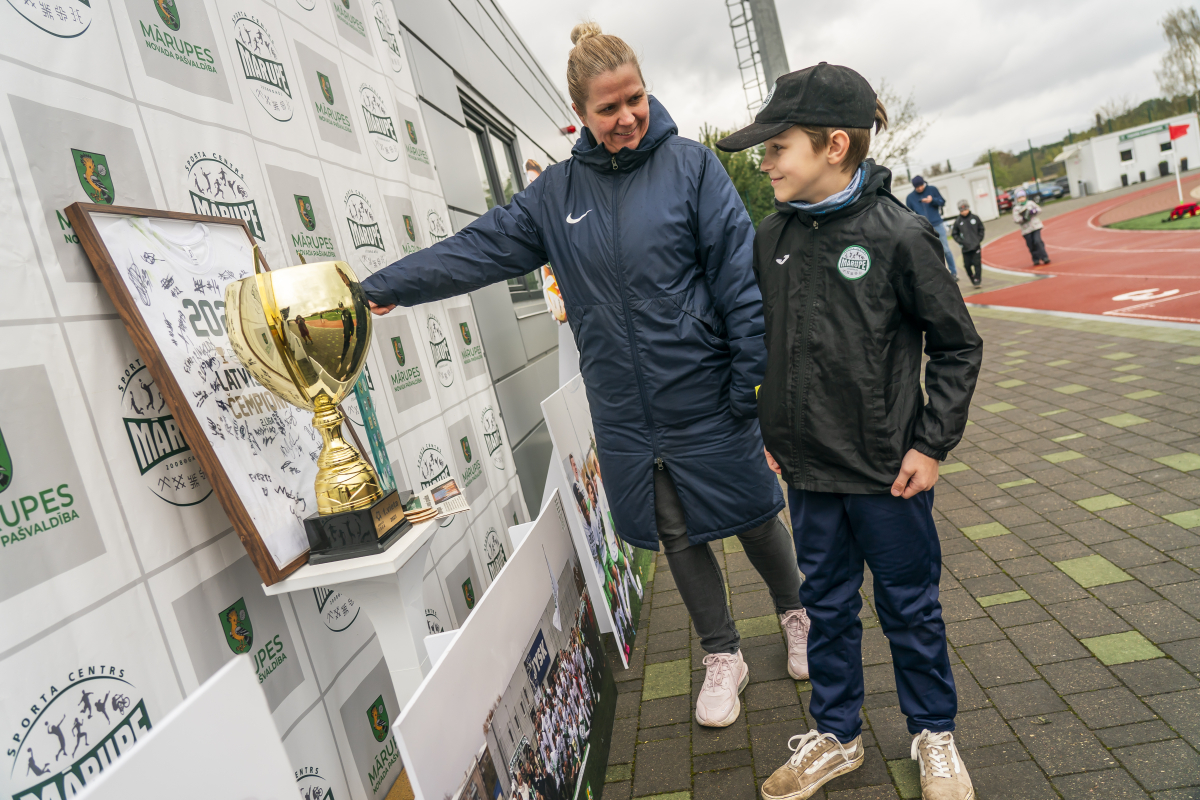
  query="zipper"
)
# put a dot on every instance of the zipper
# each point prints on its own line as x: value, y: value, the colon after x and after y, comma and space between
x: 637, y: 364
x: 802, y: 367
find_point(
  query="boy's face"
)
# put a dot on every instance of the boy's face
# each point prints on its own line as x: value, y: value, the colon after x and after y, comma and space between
x: 964, y: 211
x: 798, y: 172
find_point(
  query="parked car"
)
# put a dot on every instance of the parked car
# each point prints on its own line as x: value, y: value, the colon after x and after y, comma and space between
x: 1004, y: 201
x: 1065, y: 183
x: 1041, y: 191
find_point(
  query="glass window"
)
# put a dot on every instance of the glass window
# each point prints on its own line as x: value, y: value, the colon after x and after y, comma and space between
x: 481, y: 166
x: 502, y: 156
x: 1127, y: 155
x: 1165, y: 146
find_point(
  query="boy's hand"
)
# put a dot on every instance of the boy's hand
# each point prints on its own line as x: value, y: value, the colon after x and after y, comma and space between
x: 772, y: 463
x: 379, y: 311
x: 918, y: 472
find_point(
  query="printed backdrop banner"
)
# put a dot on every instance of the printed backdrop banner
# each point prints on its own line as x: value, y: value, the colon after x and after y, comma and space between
x: 122, y: 584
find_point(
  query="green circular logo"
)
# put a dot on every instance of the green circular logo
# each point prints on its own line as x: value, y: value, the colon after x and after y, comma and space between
x: 854, y: 262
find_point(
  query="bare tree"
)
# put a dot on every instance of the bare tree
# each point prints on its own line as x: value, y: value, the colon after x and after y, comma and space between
x: 906, y: 127
x: 1180, y: 72
x: 1116, y: 107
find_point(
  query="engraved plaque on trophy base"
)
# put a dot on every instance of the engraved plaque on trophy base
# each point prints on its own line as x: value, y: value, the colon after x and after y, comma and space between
x: 349, y: 534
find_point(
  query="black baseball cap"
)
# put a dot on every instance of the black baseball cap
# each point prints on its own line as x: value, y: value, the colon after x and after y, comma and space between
x: 826, y: 95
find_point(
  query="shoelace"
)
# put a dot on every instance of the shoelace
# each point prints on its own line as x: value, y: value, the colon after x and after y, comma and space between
x: 808, y: 741
x: 939, y: 747
x: 719, y: 667
x: 796, y: 625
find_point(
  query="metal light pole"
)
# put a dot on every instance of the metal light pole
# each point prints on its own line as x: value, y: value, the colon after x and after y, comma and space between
x: 1033, y: 166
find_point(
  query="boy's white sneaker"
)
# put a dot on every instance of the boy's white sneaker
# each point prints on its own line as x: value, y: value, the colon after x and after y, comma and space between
x: 795, y: 626
x: 725, y: 677
x: 943, y: 776
x: 817, y: 758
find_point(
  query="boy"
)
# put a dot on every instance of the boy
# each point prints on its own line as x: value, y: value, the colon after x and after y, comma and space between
x: 850, y: 281
x: 968, y: 232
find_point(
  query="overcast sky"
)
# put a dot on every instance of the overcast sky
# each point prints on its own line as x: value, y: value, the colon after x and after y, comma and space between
x: 984, y: 74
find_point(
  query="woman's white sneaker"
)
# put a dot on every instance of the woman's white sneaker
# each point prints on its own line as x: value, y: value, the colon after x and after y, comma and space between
x: 795, y: 626
x: 725, y: 677
x: 943, y: 776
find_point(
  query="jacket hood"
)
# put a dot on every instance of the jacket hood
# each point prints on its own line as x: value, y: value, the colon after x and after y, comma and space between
x: 661, y: 128
x: 878, y: 184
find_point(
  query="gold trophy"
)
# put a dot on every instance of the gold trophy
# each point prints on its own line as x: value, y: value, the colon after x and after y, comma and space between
x: 303, y: 332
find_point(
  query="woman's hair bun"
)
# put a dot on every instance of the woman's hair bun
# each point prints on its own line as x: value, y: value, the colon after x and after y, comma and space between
x: 584, y: 30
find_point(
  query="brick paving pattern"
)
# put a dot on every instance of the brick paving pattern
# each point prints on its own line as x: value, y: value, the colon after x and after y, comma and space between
x: 1070, y: 526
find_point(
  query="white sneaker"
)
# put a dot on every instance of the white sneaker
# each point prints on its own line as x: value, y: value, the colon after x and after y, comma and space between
x: 943, y: 776
x: 718, y: 704
x: 795, y: 626
x: 817, y: 758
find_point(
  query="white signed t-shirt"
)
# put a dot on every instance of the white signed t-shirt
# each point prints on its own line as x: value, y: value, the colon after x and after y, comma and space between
x: 177, y: 273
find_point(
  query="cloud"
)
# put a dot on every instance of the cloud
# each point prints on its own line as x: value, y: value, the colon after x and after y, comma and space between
x: 986, y: 75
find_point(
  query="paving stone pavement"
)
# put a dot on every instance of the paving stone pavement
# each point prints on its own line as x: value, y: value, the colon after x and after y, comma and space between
x: 1069, y: 518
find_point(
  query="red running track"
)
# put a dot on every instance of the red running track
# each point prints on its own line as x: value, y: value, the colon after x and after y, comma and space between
x: 1144, y: 274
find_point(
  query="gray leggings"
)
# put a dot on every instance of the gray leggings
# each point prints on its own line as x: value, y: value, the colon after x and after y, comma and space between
x: 698, y: 576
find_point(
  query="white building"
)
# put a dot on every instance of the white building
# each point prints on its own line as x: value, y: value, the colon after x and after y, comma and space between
x: 1133, y: 155
x: 973, y: 184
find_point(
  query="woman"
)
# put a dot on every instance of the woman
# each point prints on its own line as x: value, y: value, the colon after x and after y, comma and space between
x: 1025, y: 213
x: 651, y: 246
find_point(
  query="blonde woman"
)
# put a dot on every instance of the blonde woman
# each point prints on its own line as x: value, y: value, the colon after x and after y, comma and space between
x: 652, y: 248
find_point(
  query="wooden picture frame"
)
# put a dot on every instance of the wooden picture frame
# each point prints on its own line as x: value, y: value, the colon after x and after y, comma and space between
x: 80, y: 217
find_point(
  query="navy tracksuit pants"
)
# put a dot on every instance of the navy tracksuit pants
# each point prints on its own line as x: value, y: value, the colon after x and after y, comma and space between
x: 835, y: 534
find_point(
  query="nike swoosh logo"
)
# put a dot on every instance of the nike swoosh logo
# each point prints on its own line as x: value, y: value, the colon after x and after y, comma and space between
x: 785, y: 258
x: 573, y: 221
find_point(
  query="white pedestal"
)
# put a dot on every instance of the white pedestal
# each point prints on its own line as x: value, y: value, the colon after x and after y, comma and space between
x: 388, y: 586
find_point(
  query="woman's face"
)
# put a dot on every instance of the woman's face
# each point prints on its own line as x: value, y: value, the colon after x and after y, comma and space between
x: 617, y: 111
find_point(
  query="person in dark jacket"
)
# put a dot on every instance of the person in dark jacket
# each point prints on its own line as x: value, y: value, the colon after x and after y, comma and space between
x: 852, y: 282
x: 968, y: 232
x: 927, y: 201
x: 652, y: 250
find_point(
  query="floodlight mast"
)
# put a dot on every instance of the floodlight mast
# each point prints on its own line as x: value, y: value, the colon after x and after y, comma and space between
x: 758, y: 45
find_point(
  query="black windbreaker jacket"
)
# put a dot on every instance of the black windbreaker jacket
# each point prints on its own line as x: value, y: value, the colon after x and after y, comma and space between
x: 847, y: 297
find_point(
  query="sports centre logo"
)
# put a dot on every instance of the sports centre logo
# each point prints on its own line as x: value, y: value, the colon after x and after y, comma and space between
x: 381, y: 128
x: 442, y: 362
x: 166, y: 463
x: 262, y: 66
x: 432, y: 466
x: 218, y: 189
x: 491, y: 437
x: 65, y: 19
x: 365, y: 232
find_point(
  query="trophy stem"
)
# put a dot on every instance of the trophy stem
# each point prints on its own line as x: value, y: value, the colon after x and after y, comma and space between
x: 345, y: 481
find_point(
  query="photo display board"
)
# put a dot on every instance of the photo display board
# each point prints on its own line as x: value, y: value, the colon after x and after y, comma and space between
x: 615, y: 570
x: 538, y: 721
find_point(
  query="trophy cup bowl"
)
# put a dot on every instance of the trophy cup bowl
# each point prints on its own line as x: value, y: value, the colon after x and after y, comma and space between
x: 303, y: 333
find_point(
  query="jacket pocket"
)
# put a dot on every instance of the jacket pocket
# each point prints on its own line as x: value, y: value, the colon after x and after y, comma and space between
x: 714, y: 330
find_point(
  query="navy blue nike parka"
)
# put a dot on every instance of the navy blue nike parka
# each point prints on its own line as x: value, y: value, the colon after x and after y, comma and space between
x: 653, y: 252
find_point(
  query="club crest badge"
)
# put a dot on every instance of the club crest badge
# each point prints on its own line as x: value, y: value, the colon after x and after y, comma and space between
x: 398, y: 349
x: 235, y: 623
x: 465, y: 331
x: 326, y: 87
x: 468, y: 593
x: 305, y: 207
x: 412, y: 130
x: 94, y: 176
x: 409, y: 228
x: 6, y: 465
x: 466, y: 448
x: 378, y: 717
x: 854, y: 262
x: 168, y: 13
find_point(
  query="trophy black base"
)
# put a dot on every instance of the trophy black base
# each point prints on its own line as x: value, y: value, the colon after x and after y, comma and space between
x: 350, y: 534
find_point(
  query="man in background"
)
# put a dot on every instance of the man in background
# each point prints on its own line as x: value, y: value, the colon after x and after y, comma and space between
x: 927, y: 201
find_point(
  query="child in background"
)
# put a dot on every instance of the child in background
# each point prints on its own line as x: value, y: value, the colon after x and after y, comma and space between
x: 968, y: 232
x: 1025, y: 213
x: 853, y: 283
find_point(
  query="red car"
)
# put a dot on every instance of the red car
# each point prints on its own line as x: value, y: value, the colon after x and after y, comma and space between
x: 1004, y: 201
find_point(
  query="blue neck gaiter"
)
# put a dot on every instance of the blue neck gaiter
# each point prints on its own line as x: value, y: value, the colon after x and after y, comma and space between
x: 840, y: 200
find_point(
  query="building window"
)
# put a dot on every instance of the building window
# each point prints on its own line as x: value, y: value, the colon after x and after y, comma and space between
x: 1127, y: 155
x: 495, y: 155
x: 1165, y: 146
